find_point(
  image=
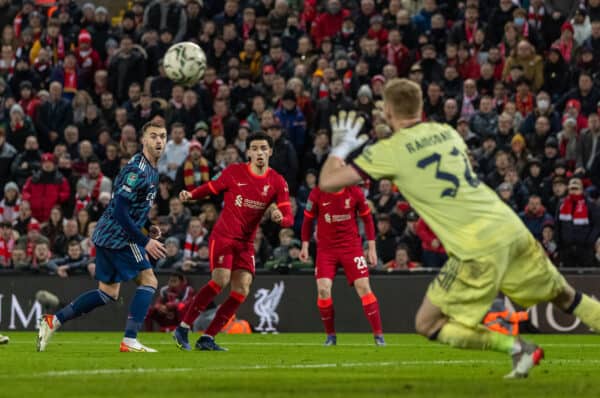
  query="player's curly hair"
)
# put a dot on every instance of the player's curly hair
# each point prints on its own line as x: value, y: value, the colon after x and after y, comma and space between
x: 259, y: 136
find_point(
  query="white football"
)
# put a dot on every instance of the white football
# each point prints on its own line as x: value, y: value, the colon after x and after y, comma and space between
x: 185, y: 63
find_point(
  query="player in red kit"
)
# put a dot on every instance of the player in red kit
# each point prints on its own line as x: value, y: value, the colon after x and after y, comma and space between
x: 249, y: 189
x: 339, y: 243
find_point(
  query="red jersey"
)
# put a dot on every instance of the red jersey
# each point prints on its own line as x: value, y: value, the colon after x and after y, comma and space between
x: 247, y: 196
x: 336, y: 217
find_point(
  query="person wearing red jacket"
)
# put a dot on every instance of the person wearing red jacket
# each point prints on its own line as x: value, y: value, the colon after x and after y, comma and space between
x: 46, y: 189
x: 88, y: 60
x: 170, y: 303
x: 339, y: 243
x: 329, y: 23
x: 434, y: 254
x: 249, y: 189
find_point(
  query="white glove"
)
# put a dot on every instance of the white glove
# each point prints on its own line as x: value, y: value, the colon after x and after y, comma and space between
x: 344, y: 130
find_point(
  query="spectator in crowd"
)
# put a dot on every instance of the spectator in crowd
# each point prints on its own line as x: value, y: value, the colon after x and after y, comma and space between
x: 170, y: 303
x: 7, y: 244
x: 284, y: 159
x: 485, y: 120
x: 74, y: 262
x: 10, y: 203
x: 53, y: 117
x: 549, y: 242
x: 95, y: 181
x: 401, y: 261
x: 7, y: 155
x: 578, y: 227
x: 46, y: 188
x: 588, y: 146
x: 535, y: 216
x: 194, y: 171
x: 433, y: 254
x: 292, y: 120
x: 386, y: 239
x: 174, y: 257
x: 386, y: 199
x: 175, y: 153
x: 19, y: 127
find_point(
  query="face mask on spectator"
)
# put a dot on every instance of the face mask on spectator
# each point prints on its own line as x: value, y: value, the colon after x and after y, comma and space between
x: 519, y: 21
x: 543, y: 104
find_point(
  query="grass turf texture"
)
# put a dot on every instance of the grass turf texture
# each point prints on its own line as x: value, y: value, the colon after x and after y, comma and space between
x: 89, y: 365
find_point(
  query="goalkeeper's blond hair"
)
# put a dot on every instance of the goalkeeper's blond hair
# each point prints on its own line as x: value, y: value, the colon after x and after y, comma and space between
x: 404, y: 98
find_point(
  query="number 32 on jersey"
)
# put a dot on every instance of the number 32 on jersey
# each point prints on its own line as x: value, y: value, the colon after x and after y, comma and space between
x: 437, y: 158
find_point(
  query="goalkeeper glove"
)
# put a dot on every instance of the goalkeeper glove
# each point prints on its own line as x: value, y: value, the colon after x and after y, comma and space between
x: 344, y: 130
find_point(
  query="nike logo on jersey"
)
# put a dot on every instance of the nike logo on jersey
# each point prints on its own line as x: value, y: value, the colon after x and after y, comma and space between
x: 241, y: 184
x: 326, y: 204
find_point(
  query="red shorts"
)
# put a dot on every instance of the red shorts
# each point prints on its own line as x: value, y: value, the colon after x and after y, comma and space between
x: 231, y: 254
x: 352, y: 260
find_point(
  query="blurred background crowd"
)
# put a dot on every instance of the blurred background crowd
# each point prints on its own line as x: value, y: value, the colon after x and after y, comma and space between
x: 518, y: 80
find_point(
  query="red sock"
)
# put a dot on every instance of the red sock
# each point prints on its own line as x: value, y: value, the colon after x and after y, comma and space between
x: 200, y: 301
x: 371, y: 308
x: 224, y: 313
x: 327, y: 315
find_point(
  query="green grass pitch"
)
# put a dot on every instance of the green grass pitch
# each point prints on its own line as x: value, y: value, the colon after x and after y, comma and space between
x: 286, y: 365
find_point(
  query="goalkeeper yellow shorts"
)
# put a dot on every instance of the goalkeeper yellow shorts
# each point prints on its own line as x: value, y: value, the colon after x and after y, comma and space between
x: 464, y: 290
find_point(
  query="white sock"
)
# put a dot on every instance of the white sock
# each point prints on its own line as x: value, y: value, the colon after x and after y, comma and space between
x: 517, y: 348
x: 55, y: 322
x: 129, y: 341
x: 184, y: 325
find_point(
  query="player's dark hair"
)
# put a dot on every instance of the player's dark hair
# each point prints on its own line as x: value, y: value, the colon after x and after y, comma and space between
x: 94, y: 159
x: 259, y: 136
x: 152, y: 123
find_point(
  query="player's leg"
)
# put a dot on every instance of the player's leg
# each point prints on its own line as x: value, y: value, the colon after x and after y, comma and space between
x: 458, y: 298
x: 86, y: 302
x: 138, y: 308
x: 220, y: 278
x: 241, y: 279
x: 370, y: 307
x: 579, y: 304
x: 325, y: 306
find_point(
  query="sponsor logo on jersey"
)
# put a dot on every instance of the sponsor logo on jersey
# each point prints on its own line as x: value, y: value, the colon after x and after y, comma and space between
x: 326, y: 204
x: 329, y: 218
x: 240, y: 201
x: 241, y: 184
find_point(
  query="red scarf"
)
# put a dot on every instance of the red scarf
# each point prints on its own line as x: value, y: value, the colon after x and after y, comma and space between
x: 70, y: 85
x: 574, y: 209
x: 194, y: 176
x: 191, y: 246
x: 470, y: 32
x: 9, y: 212
x: 96, y: 190
x: 524, y: 105
x: 6, y: 251
x: 536, y: 17
x: 81, y: 203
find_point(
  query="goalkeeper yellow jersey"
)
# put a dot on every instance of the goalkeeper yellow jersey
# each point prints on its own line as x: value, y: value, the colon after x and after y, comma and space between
x: 429, y: 164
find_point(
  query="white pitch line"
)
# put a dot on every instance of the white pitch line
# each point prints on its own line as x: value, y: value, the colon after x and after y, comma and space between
x: 457, y: 362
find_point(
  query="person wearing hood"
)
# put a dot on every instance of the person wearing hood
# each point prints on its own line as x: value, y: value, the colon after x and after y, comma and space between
x: 46, y: 188
x: 534, y: 178
x: 582, y: 27
x: 578, y: 227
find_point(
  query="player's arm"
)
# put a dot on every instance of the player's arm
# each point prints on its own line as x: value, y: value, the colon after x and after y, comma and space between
x: 310, y: 213
x: 124, y: 196
x: 364, y: 212
x: 336, y: 175
x: 283, y: 215
x: 213, y: 187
